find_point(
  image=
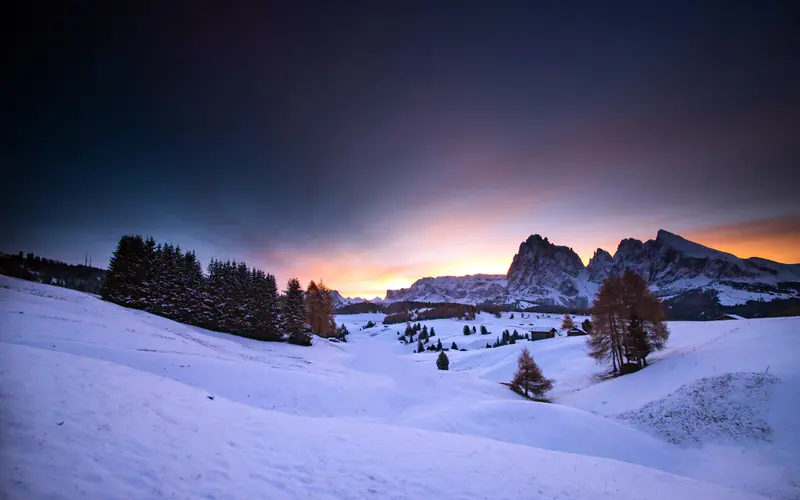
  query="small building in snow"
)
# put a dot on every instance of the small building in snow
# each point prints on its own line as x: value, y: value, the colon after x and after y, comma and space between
x: 729, y: 316
x: 542, y: 332
x: 575, y: 332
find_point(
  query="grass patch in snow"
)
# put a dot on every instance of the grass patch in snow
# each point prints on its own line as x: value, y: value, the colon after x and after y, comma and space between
x: 710, y: 409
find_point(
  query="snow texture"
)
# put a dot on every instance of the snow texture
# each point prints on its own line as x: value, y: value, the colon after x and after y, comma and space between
x: 729, y: 406
x: 99, y: 401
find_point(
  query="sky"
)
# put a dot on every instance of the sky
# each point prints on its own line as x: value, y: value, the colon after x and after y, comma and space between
x: 370, y: 144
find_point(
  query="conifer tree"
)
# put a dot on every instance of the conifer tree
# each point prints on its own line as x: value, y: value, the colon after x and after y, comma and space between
x: 443, y: 362
x: 439, y: 345
x: 567, y: 323
x: 266, y: 311
x: 528, y: 377
x: 484, y: 331
x: 128, y: 271
x: 627, y: 322
x: 319, y: 309
x: 420, y: 347
x: 467, y: 331
x: 433, y: 332
x: 293, y: 314
x: 473, y: 328
x: 454, y: 346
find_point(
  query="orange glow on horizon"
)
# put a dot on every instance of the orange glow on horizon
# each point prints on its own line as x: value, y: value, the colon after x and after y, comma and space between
x: 448, y: 245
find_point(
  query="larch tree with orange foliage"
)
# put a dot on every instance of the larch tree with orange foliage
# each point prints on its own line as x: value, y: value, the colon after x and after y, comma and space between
x: 528, y: 377
x: 319, y: 309
x: 627, y: 323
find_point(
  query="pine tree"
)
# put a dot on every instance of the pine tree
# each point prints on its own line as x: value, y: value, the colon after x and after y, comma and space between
x: 267, y: 310
x: 467, y: 331
x: 473, y: 329
x: 528, y: 377
x: 420, y: 347
x: 454, y: 347
x: 484, y: 331
x: 443, y: 362
x: 293, y: 314
x: 130, y: 268
x: 587, y: 325
x: 567, y: 323
x: 433, y: 332
x: 439, y: 345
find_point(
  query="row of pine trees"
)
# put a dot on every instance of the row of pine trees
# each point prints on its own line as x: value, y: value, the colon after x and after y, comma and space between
x: 230, y: 297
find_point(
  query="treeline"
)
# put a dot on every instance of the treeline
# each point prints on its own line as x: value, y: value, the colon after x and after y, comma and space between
x: 702, y: 304
x: 231, y: 297
x: 52, y: 272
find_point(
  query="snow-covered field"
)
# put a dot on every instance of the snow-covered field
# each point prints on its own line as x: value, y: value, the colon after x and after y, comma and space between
x: 98, y: 401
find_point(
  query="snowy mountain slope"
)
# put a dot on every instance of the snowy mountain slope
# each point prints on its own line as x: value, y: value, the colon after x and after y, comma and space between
x: 119, y: 407
x: 470, y: 289
x: 547, y: 274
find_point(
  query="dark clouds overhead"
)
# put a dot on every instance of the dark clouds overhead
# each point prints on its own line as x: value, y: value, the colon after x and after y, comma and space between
x: 255, y: 127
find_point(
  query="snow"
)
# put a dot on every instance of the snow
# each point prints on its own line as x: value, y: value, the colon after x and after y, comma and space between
x: 123, y: 404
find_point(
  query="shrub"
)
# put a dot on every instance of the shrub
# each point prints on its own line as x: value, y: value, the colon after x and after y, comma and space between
x: 442, y: 362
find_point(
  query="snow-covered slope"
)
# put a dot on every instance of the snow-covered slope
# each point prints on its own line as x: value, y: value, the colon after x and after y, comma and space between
x: 548, y: 274
x: 105, y: 402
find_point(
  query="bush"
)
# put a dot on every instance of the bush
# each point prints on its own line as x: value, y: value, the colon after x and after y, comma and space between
x: 443, y: 362
x: 369, y: 324
x: 467, y: 331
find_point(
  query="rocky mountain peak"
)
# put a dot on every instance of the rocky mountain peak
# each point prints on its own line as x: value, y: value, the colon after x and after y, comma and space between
x: 600, y: 265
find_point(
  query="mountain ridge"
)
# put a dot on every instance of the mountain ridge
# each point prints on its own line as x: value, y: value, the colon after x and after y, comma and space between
x: 543, y: 273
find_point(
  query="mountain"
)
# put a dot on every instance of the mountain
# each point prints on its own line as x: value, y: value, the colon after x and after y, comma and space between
x: 470, y: 289
x: 544, y: 273
x: 548, y: 274
x: 339, y: 301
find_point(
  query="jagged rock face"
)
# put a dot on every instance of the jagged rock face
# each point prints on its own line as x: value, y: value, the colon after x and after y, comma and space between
x: 600, y: 265
x: 541, y: 270
x: 471, y: 289
x: 544, y: 273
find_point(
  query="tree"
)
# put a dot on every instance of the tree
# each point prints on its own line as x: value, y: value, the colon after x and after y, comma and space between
x: 319, y: 309
x: 420, y: 347
x: 473, y: 329
x: 512, y: 316
x: 433, y: 332
x: 129, y: 270
x: 266, y: 310
x: 627, y: 322
x: 439, y: 345
x: 484, y: 331
x: 467, y: 331
x: 293, y: 314
x: 454, y: 346
x: 528, y: 377
x: 587, y: 325
x: 567, y: 323
x: 442, y: 362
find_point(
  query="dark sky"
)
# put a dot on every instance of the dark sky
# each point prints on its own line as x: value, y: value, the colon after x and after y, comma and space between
x: 374, y: 143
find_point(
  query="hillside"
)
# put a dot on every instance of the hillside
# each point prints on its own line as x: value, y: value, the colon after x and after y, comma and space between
x: 124, y: 404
